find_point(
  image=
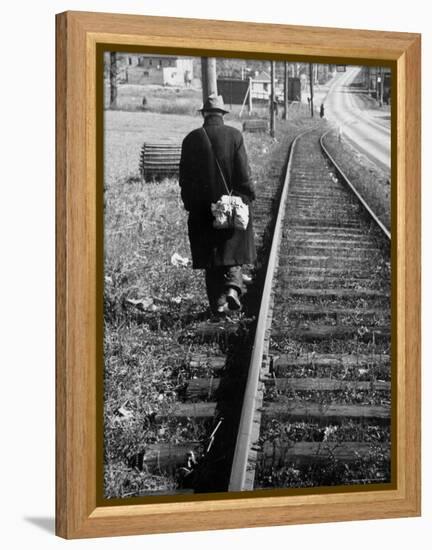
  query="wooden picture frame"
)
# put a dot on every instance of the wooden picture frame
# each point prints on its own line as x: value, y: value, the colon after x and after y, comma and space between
x: 79, y: 316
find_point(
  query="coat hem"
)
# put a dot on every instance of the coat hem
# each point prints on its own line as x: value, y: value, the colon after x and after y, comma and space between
x: 224, y: 264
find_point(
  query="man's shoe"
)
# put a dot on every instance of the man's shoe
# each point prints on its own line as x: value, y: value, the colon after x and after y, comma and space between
x: 222, y: 309
x: 247, y: 279
x: 221, y: 301
x: 233, y: 299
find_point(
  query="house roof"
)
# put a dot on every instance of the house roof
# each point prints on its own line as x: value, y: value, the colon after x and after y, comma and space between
x: 262, y: 75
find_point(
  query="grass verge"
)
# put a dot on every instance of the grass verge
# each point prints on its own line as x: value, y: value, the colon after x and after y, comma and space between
x: 369, y: 180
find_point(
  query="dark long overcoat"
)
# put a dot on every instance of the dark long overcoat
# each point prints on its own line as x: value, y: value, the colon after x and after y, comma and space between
x: 201, y: 184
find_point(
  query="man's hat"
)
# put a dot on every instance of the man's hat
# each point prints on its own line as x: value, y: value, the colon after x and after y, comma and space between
x: 214, y: 103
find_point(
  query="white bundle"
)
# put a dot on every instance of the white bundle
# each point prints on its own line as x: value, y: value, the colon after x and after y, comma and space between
x: 222, y: 211
x: 230, y: 211
x: 241, y: 210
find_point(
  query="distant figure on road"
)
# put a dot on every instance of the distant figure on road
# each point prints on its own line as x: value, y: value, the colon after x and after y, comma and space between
x: 188, y: 79
x: 220, y: 252
x: 322, y: 110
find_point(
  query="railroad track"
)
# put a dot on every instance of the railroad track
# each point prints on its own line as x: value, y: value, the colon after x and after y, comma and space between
x: 317, y: 401
x: 299, y: 396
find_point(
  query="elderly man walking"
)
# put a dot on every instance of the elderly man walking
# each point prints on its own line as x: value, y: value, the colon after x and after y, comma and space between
x: 213, y: 158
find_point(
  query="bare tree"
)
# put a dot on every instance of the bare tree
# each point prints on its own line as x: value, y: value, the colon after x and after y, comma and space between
x: 113, y: 80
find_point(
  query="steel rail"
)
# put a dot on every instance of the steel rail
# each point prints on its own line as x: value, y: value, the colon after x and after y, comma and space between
x: 243, y: 443
x: 345, y: 178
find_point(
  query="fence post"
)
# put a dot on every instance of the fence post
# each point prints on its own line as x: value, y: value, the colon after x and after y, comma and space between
x: 311, y: 88
x: 285, y: 113
x: 272, y: 99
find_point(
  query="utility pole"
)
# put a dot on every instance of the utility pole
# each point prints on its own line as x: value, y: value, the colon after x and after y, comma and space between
x: 381, y: 87
x: 208, y: 76
x: 250, y: 95
x: 376, y: 84
x: 285, y: 113
x: 113, y: 80
x: 204, y: 78
x: 272, y: 99
x: 311, y: 88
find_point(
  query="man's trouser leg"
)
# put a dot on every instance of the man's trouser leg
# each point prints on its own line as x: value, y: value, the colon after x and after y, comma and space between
x: 233, y: 286
x: 218, y: 282
x: 215, y: 287
x: 233, y: 278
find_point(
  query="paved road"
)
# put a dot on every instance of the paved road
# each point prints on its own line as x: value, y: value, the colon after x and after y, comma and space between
x: 368, y: 129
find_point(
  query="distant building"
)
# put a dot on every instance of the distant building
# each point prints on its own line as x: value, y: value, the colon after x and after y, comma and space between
x: 163, y: 70
x: 132, y: 60
x: 156, y: 62
x: 261, y: 86
x: 234, y: 90
x: 372, y: 80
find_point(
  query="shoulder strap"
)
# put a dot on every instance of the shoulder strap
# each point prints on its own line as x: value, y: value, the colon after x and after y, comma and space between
x: 217, y: 162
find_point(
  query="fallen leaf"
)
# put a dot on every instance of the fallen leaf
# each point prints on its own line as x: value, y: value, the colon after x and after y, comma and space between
x: 142, y: 304
x: 125, y: 413
x: 179, y: 261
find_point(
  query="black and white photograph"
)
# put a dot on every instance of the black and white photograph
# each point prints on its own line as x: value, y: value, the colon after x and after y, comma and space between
x: 246, y: 275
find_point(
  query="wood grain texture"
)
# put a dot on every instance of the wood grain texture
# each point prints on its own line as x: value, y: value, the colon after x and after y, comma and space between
x: 61, y: 250
x: 243, y: 37
x: 412, y: 260
x: 77, y: 513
